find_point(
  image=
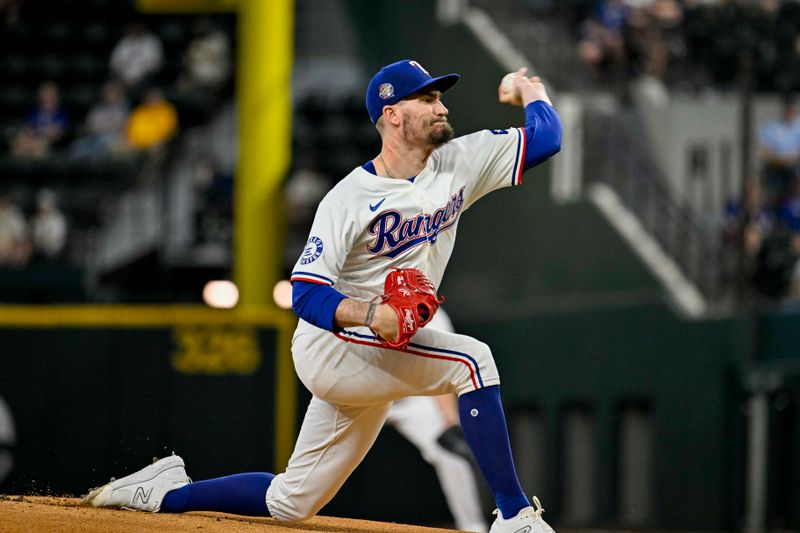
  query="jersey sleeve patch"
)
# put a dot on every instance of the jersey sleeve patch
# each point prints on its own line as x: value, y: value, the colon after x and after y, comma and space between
x: 312, y: 251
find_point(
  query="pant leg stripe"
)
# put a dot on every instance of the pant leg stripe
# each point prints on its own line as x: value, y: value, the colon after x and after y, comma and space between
x: 368, y: 340
x: 471, y: 359
x: 474, y: 363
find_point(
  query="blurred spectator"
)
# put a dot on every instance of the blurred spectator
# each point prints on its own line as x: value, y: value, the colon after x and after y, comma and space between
x: 601, y: 45
x: 778, y: 269
x: 152, y: 122
x: 788, y: 211
x: 45, y: 126
x: 213, y: 203
x: 105, y: 124
x: 15, y: 246
x: 49, y: 227
x: 651, y: 33
x: 207, y: 59
x: 690, y: 43
x: 787, y: 77
x: 9, y: 9
x: 793, y: 291
x: 303, y: 190
x: 776, y: 264
x: 779, y: 148
x: 748, y: 222
x: 137, y: 56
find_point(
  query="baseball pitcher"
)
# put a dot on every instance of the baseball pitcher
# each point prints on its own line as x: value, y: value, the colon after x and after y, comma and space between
x: 364, y: 288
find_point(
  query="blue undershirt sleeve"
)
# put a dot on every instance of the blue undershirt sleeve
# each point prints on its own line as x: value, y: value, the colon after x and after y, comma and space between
x: 316, y: 303
x: 542, y: 133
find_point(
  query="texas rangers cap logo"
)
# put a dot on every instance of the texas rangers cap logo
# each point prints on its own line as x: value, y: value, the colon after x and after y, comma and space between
x: 312, y: 250
x: 386, y: 90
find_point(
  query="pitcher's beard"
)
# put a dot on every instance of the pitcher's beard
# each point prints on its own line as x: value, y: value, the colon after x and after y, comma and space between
x: 439, y: 136
x: 435, y: 136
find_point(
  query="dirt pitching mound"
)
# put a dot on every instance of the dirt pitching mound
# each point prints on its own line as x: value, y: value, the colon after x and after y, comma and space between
x: 34, y: 514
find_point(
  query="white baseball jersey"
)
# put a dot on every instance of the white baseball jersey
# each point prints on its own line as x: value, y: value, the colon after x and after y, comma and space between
x: 368, y: 224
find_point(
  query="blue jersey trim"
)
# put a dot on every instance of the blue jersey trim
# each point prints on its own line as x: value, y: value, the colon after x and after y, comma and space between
x: 369, y: 166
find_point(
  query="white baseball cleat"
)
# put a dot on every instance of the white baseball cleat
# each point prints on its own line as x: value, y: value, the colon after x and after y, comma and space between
x: 527, y: 520
x: 143, y: 490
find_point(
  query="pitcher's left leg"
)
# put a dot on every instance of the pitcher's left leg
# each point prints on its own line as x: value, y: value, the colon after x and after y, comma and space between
x: 332, y: 442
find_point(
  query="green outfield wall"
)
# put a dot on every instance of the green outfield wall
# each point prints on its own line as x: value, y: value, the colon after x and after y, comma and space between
x: 95, y: 391
x: 682, y: 375
x: 91, y: 392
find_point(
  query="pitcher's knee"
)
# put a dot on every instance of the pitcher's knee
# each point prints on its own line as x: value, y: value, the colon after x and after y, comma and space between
x: 291, y: 505
x: 480, y: 368
x: 291, y: 510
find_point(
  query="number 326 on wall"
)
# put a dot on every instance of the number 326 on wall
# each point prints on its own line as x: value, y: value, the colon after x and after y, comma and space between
x: 215, y: 350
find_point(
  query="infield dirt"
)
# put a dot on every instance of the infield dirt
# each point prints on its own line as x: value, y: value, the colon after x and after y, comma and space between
x: 34, y: 514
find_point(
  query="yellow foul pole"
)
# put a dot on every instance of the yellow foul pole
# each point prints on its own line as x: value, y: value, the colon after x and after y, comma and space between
x: 266, y: 29
x: 264, y: 90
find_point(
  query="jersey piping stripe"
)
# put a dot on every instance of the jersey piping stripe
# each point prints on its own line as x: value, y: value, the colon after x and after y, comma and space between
x: 311, y: 277
x: 524, y: 140
x: 430, y: 348
x: 519, y: 162
x: 460, y: 357
x: 310, y: 280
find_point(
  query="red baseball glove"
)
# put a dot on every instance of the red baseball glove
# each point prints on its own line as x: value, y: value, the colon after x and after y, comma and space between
x: 413, y: 298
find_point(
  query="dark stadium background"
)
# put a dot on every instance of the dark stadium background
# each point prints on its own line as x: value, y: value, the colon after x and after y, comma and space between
x: 630, y: 404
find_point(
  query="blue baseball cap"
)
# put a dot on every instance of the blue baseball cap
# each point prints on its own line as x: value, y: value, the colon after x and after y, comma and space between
x: 394, y: 82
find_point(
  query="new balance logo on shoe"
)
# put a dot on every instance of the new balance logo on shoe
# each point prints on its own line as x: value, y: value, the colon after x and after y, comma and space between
x: 142, y: 496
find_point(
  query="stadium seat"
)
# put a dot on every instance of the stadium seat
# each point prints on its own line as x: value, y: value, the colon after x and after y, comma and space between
x: 87, y: 67
x: 96, y: 35
x: 50, y: 67
x: 16, y: 101
x: 14, y: 66
x: 79, y: 98
x: 57, y: 34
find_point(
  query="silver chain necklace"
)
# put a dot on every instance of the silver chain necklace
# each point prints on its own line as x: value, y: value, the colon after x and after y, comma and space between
x: 386, y: 166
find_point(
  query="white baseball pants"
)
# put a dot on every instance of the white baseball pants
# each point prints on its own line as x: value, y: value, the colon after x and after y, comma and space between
x: 353, y: 381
